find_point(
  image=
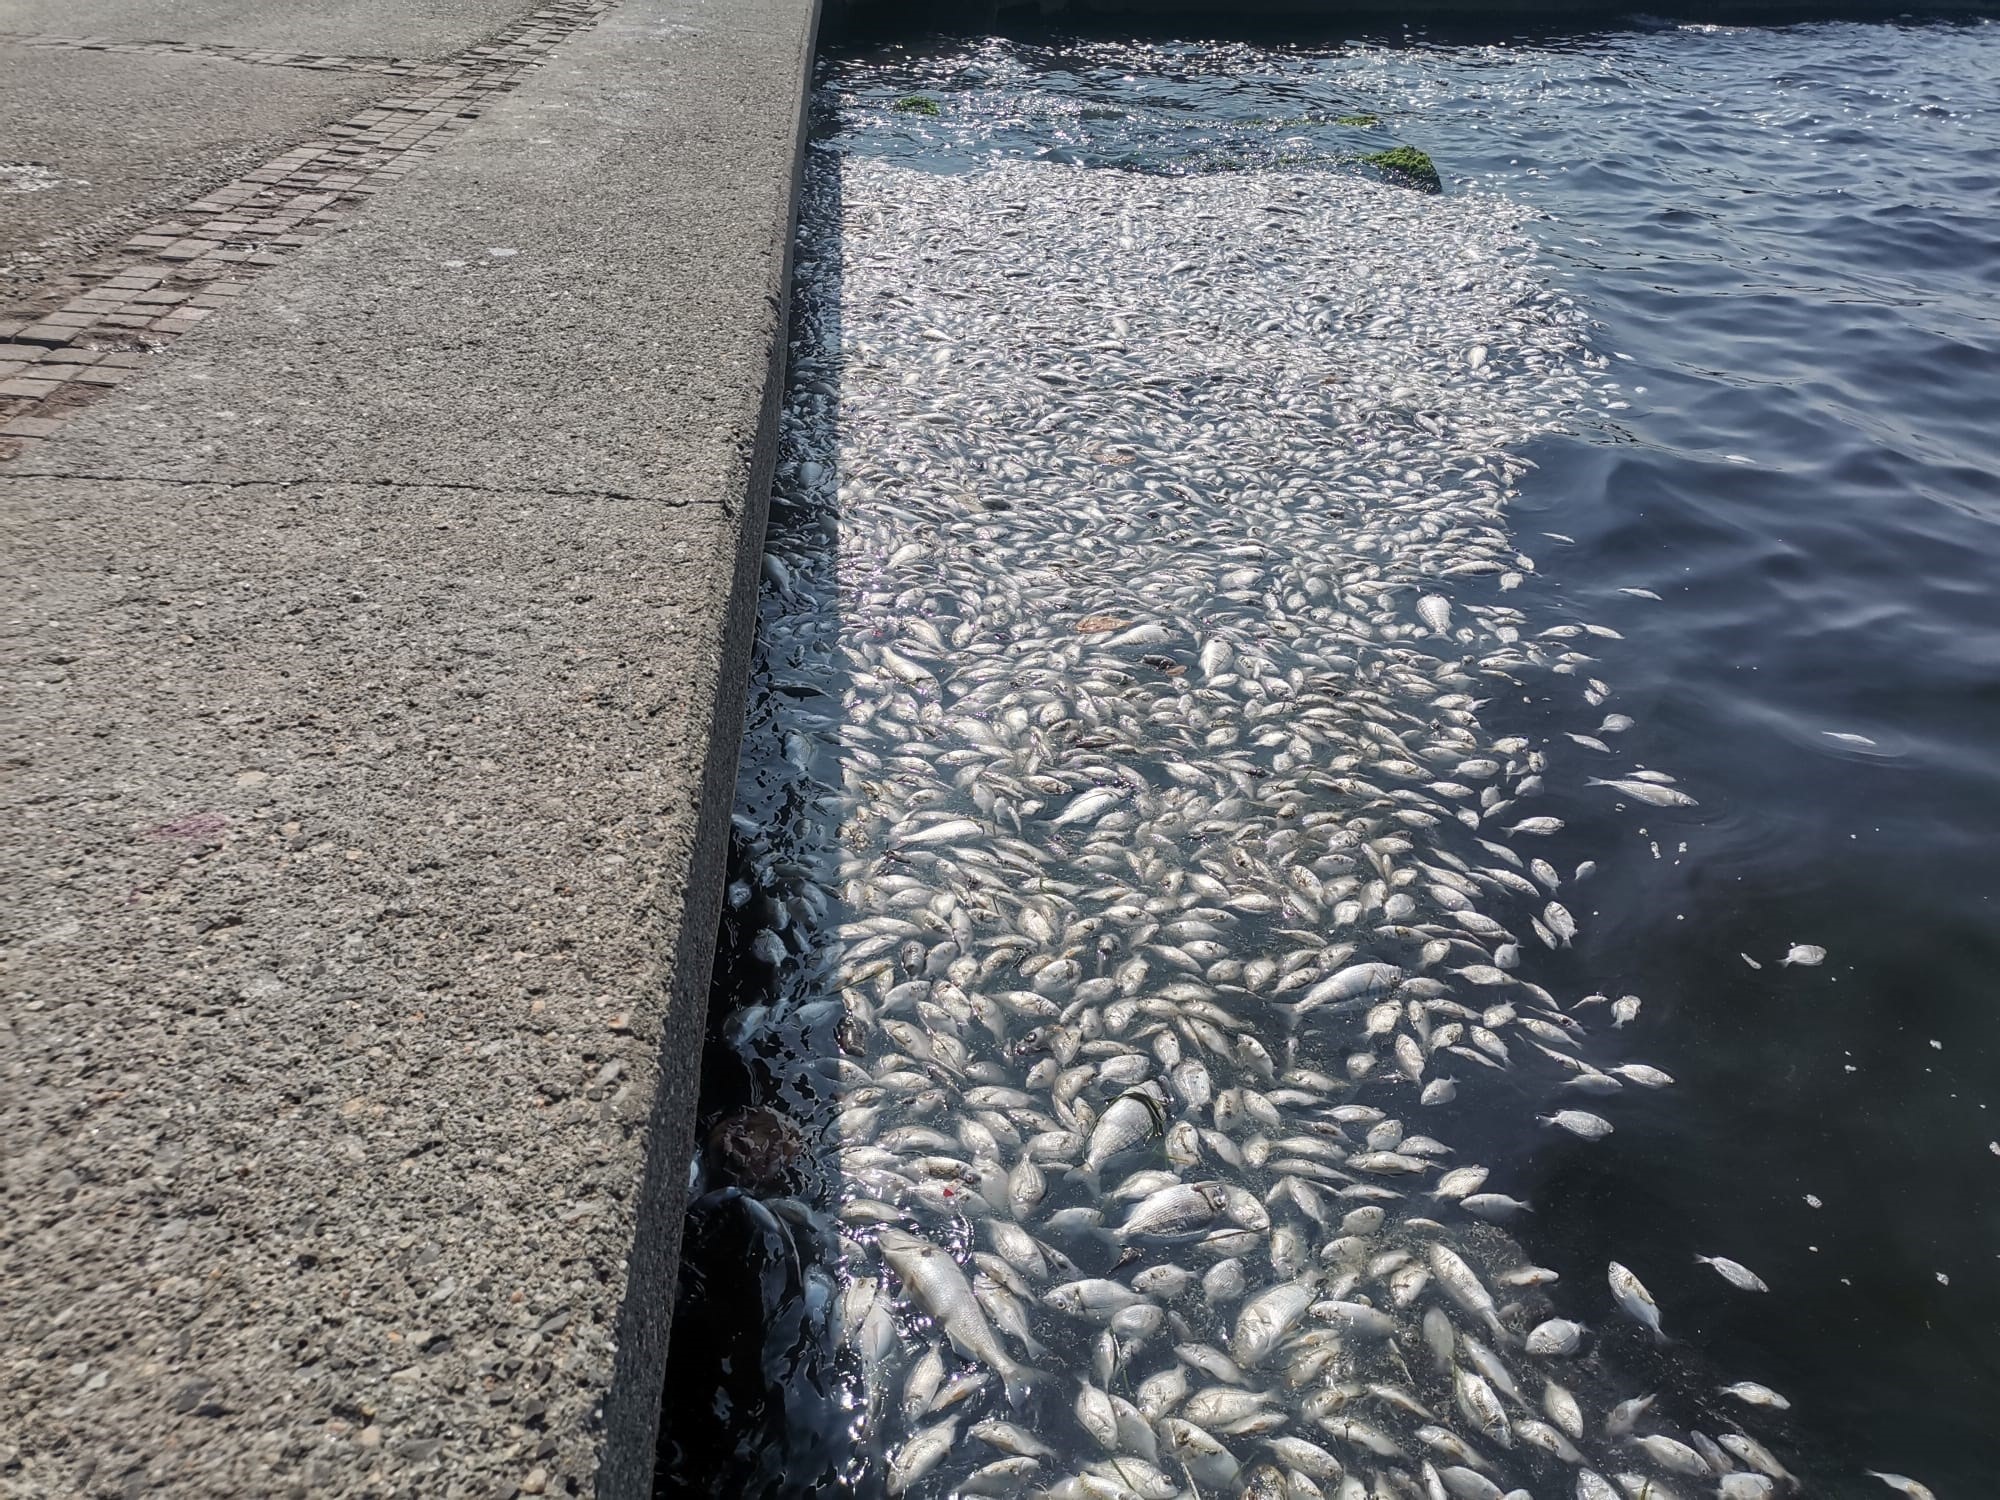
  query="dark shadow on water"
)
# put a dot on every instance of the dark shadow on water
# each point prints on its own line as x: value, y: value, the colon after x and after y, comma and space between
x: 925, y: 24
x: 753, y: 1405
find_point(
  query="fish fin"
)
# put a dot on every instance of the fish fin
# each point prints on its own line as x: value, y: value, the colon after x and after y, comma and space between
x: 1021, y: 1383
x: 1087, y: 1175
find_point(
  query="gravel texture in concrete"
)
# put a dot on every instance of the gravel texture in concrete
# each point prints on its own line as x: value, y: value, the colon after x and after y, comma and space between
x: 370, y: 730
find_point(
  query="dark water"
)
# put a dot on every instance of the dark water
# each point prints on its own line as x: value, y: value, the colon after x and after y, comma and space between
x: 1793, y: 237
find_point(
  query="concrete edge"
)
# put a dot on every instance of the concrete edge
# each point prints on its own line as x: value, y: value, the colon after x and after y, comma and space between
x: 722, y: 464
x: 632, y: 1407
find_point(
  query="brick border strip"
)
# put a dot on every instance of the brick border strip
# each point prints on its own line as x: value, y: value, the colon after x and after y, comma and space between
x: 105, y: 321
x: 317, y: 62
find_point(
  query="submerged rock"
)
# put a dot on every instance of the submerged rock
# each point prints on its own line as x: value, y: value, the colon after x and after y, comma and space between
x: 1408, y: 167
x: 755, y: 1149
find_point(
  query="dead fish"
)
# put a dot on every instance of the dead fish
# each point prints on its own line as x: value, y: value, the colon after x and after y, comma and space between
x: 921, y: 1454
x: 1753, y: 1394
x: 1134, y: 1116
x: 1556, y: 1337
x: 1635, y: 1301
x: 1673, y: 1454
x: 1736, y: 1274
x: 933, y: 1278
x: 1904, y: 1484
x: 1579, y: 1123
x: 1648, y: 792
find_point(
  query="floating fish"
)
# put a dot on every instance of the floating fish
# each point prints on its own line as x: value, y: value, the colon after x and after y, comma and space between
x: 1635, y: 1301
x: 1736, y: 1274
x: 1136, y: 849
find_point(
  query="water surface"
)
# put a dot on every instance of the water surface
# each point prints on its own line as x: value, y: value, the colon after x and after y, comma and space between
x: 1790, y: 240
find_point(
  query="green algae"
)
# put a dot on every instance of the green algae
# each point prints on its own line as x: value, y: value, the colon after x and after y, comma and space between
x: 1409, y: 166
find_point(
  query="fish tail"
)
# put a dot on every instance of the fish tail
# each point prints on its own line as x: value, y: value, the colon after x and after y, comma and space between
x: 1086, y: 1175
x: 1021, y: 1383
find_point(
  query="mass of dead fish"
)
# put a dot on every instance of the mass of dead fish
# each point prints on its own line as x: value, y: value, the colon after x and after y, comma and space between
x: 1152, y: 879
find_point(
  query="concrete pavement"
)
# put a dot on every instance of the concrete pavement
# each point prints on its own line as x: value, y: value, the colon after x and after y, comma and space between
x: 404, y: 28
x: 206, y: 120
x: 375, y: 664
x: 121, y: 136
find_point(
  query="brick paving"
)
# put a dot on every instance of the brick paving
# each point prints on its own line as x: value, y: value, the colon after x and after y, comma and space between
x: 98, y: 324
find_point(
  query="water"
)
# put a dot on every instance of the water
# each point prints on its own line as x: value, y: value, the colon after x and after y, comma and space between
x: 1792, y: 236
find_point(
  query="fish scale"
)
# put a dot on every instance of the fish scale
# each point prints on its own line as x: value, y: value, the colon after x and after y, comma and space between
x: 1172, y: 704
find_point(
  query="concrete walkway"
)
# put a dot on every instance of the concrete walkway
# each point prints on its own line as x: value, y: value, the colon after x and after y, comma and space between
x: 132, y: 106
x: 375, y: 674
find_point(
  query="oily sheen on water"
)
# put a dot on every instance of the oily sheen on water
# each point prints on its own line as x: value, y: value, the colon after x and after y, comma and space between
x: 1157, y: 900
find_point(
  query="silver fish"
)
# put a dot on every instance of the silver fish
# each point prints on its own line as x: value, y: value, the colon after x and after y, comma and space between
x: 933, y: 1278
x: 1635, y: 1301
x: 1736, y: 1274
